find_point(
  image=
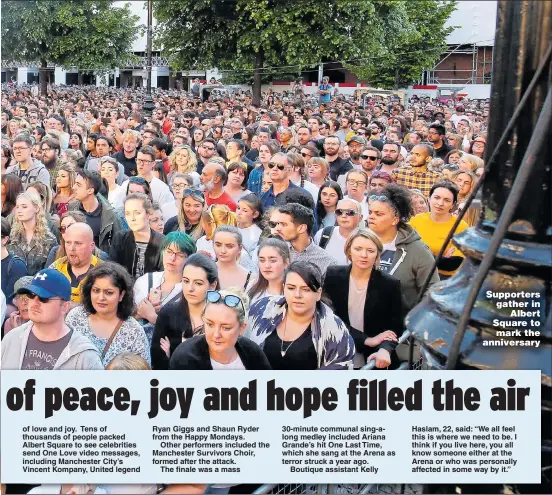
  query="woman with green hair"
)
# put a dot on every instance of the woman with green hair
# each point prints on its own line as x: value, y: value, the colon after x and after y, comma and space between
x: 155, y: 289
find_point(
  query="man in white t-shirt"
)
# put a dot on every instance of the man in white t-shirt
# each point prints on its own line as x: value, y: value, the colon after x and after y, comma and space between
x: 357, y: 185
x: 333, y: 238
x: 145, y: 162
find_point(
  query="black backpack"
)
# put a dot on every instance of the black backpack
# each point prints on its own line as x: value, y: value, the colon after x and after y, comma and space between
x: 326, y: 234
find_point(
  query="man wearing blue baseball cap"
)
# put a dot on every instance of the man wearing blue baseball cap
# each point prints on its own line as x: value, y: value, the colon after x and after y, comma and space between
x: 45, y: 342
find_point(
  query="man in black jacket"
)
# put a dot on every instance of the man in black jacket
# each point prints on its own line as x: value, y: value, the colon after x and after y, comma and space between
x: 100, y: 215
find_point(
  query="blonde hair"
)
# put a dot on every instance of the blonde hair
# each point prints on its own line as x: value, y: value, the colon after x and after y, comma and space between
x: 45, y: 193
x: 366, y: 233
x: 131, y: 134
x: 473, y: 184
x: 320, y: 161
x: 128, y: 361
x: 184, y: 223
x: 192, y: 160
x: 41, y: 225
x: 457, y: 139
x: 474, y: 161
x: 219, y: 215
x: 242, y: 311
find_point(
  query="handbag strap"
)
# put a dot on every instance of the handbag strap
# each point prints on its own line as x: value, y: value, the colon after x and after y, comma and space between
x: 108, y: 345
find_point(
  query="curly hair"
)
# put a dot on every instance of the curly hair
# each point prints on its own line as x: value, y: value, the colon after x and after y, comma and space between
x: 120, y: 278
x: 41, y: 225
x: 192, y: 160
x: 400, y: 199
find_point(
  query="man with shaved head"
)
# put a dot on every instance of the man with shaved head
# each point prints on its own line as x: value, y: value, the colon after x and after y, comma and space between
x: 79, y: 259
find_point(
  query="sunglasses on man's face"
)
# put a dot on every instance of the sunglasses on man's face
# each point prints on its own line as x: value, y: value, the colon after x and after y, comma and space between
x: 279, y: 166
x: 43, y: 300
x: 368, y: 157
x: 341, y: 212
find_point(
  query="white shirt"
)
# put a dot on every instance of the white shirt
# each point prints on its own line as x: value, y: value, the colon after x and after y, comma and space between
x: 202, y: 244
x: 364, y: 205
x: 250, y: 236
x: 234, y: 365
x: 115, y: 198
x: 169, y: 210
x: 311, y: 188
x: 160, y: 192
x: 335, y: 246
x: 141, y: 288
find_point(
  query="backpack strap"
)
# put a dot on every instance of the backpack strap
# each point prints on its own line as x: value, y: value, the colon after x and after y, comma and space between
x: 326, y: 234
x: 150, y: 281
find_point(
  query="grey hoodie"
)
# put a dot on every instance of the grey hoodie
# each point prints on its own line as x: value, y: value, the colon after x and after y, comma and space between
x: 36, y: 172
x: 412, y: 263
x: 80, y: 353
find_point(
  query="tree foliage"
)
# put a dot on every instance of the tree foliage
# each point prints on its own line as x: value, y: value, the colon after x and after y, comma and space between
x: 414, y: 39
x: 92, y: 35
x: 290, y: 35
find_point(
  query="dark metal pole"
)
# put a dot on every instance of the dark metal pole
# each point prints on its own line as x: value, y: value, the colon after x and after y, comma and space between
x: 453, y: 324
x: 148, y: 102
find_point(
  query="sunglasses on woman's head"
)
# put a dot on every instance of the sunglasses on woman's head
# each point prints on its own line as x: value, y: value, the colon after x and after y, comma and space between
x: 374, y: 197
x: 196, y: 193
x: 230, y: 300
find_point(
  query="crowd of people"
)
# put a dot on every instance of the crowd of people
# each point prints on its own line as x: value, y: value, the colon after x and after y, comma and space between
x: 221, y: 235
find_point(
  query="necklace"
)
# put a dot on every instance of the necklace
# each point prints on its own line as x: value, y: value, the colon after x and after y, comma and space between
x: 282, y: 350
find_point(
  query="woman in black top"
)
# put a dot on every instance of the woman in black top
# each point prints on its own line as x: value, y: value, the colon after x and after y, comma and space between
x: 181, y: 319
x: 368, y: 301
x: 222, y: 347
x: 137, y: 249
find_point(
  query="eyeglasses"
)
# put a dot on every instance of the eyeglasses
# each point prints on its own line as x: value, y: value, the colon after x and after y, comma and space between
x: 208, y: 147
x: 16, y: 150
x: 64, y: 228
x: 361, y: 133
x: 141, y: 162
x: 279, y: 166
x: 349, y: 213
x: 43, y: 300
x: 375, y: 197
x: 368, y: 157
x: 179, y: 186
x: 229, y: 300
x: 179, y: 255
x: 358, y: 183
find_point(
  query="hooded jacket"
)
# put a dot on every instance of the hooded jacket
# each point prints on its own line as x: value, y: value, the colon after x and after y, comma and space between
x: 80, y: 353
x: 412, y: 263
x: 110, y: 221
x: 36, y: 172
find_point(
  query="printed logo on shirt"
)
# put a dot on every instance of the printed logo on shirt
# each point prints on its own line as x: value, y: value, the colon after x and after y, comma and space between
x: 386, y: 260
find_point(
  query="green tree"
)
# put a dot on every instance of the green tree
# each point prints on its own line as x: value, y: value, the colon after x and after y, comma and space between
x: 414, y: 39
x: 261, y: 36
x: 92, y: 35
x: 255, y: 35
